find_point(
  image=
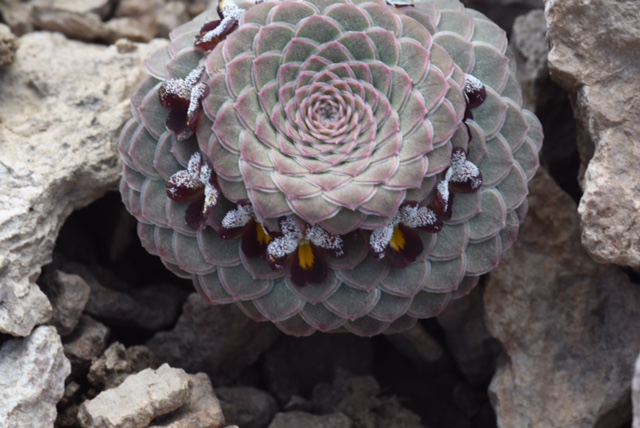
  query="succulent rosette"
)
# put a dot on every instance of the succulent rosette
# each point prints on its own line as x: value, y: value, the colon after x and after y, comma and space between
x: 332, y: 166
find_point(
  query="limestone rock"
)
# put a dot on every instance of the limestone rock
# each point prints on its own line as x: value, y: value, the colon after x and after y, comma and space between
x: 358, y: 398
x: 202, y: 410
x: 468, y: 340
x: 564, y: 322
x: 8, y: 46
x: 68, y: 295
x: 216, y: 339
x: 32, y: 374
x: 247, y: 406
x: 138, y: 400
x: 86, y: 343
x: 117, y: 363
x: 594, y: 56
x: 307, y: 420
x: 62, y: 106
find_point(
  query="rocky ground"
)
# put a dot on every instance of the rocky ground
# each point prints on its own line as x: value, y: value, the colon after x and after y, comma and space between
x: 94, y: 332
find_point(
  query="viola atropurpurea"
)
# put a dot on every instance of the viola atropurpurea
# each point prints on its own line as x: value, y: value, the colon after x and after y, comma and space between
x: 345, y: 166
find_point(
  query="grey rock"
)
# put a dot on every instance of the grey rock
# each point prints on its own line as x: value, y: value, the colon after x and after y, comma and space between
x: 117, y: 363
x: 58, y: 132
x: 68, y: 294
x: 247, y: 406
x: 635, y: 394
x: 86, y: 343
x: 472, y: 347
x: 307, y: 420
x: 294, y: 366
x: 152, y: 307
x: 32, y: 374
x: 138, y: 400
x: 216, y: 339
x: 17, y: 15
x: 594, y: 57
x: 202, y: 410
x: 358, y: 398
x: 564, y: 323
x: 417, y: 344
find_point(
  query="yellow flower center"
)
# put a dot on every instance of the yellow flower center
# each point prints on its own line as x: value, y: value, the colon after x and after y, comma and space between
x: 397, y: 239
x: 263, y: 236
x: 305, y: 255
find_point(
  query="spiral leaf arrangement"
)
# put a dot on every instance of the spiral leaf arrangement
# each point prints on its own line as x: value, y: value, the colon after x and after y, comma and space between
x: 331, y: 165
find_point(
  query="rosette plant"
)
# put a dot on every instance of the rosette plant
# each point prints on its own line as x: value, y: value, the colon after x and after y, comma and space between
x: 331, y: 165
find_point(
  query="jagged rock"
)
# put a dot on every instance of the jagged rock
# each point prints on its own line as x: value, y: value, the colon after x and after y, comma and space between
x: 138, y: 400
x: 564, y: 322
x: 357, y: 398
x: 468, y: 340
x: 8, y: 46
x: 307, y: 420
x: 32, y: 374
x: 247, y: 406
x: 86, y: 343
x: 202, y: 410
x: 295, y: 365
x: 152, y: 307
x: 420, y: 347
x: 62, y: 107
x: 117, y: 363
x: 216, y: 339
x: 68, y: 294
x: 594, y: 57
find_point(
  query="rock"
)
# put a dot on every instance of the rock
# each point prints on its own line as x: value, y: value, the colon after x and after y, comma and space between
x: 117, y: 364
x: 8, y: 46
x: 420, y: 347
x: 153, y: 307
x: 135, y: 29
x: 307, y: 420
x: 86, y: 343
x: 564, y: 323
x: 138, y: 400
x: 468, y: 340
x: 17, y: 15
x: 296, y: 365
x: 102, y: 8
x: 247, y: 406
x: 87, y: 27
x: 357, y: 398
x: 171, y: 15
x: 216, y: 339
x: 202, y: 410
x: 635, y: 394
x: 594, y: 57
x: 32, y: 374
x: 68, y: 295
x: 59, y: 127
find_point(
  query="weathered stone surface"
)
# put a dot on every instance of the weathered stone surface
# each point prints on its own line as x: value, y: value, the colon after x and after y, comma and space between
x: 86, y: 343
x: 68, y: 294
x: 594, y: 56
x: 138, y: 400
x: 420, y: 347
x: 216, y: 339
x: 635, y: 394
x: 117, y: 363
x: 8, y: 46
x: 152, y: 307
x: 307, y: 420
x: 247, y: 406
x: 202, y: 410
x: 32, y: 374
x: 468, y: 340
x: 357, y: 397
x: 564, y: 322
x: 295, y: 365
x: 62, y: 106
